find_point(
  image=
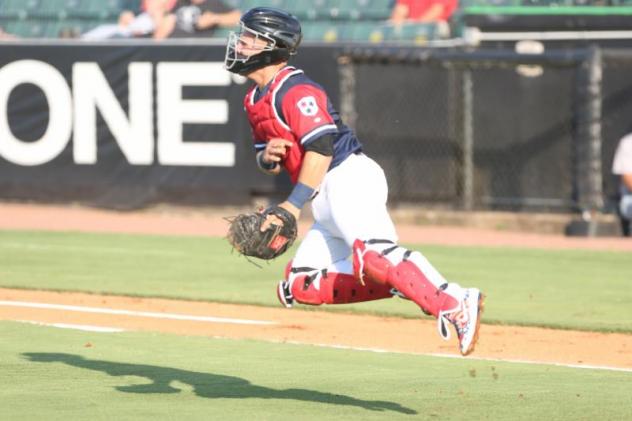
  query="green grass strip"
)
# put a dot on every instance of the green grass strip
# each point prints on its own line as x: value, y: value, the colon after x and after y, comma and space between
x: 547, y: 10
x: 55, y: 374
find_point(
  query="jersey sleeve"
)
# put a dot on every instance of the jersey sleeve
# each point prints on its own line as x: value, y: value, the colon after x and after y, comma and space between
x: 305, y: 110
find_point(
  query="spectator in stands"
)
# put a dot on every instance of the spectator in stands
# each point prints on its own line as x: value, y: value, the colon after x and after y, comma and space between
x: 6, y: 35
x: 197, y: 18
x: 622, y: 167
x: 424, y: 11
x: 152, y: 13
x: 68, y: 33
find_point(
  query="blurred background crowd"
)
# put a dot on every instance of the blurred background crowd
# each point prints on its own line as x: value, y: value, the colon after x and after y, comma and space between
x: 324, y: 20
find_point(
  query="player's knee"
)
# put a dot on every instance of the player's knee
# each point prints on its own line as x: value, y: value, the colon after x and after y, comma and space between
x: 300, y: 280
x: 305, y: 293
x: 304, y: 285
x: 371, y: 260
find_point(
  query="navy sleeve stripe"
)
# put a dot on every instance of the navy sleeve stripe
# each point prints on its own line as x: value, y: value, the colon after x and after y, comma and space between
x: 319, y: 131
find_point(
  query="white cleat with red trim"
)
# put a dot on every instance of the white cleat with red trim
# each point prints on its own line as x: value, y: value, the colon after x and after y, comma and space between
x: 466, y: 319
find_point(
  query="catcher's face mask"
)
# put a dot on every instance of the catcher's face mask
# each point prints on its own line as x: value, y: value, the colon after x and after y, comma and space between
x: 244, y: 45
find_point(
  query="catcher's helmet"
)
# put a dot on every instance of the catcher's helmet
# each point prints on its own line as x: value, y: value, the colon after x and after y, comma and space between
x: 246, y: 52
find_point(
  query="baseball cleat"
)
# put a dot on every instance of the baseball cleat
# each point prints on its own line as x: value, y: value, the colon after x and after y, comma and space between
x: 284, y: 295
x: 466, y: 319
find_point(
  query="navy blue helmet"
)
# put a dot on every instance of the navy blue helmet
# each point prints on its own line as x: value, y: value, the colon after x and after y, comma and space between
x: 280, y: 30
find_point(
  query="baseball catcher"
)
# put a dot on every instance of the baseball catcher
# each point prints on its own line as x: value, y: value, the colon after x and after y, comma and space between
x: 350, y: 254
x: 264, y: 234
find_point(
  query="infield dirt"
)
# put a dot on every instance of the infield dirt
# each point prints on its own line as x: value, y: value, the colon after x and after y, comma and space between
x: 299, y: 326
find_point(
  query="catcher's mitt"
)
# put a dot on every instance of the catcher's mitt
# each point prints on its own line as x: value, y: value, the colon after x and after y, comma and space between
x: 245, y: 234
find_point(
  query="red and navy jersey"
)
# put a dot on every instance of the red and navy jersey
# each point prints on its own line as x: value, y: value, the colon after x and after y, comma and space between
x: 295, y: 108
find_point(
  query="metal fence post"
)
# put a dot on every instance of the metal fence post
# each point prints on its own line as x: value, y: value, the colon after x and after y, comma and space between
x: 346, y: 72
x: 588, y: 176
x: 468, y: 140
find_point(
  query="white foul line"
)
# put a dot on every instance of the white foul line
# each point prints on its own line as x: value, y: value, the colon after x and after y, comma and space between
x: 87, y: 328
x: 261, y: 322
x: 470, y: 357
x: 154, y: 315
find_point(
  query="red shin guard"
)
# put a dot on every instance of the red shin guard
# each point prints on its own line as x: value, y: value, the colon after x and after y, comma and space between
x: 336, y: 288
x: 404, y: 276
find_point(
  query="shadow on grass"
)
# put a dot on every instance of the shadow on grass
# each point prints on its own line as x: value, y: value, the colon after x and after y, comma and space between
x: 207, y: 385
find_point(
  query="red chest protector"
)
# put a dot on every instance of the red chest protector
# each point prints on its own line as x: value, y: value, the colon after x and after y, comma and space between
x: 267, y: 124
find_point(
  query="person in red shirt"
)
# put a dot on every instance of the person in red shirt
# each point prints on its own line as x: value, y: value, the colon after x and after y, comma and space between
x: 422, y: 11
x: 350, y: 253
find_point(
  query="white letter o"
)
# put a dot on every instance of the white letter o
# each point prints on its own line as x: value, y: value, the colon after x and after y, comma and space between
x: 59, y: 98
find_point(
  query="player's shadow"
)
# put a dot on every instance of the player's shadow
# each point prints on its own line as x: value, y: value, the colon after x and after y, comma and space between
x: 207, y: 385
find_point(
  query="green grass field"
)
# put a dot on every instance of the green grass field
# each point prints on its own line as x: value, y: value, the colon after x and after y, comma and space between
x: 49, y: 373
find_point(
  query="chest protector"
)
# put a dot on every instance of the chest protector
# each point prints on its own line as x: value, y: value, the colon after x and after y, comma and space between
x: 267, y: 124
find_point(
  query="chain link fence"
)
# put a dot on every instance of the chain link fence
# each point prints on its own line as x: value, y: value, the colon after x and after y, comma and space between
x: 490, y: 130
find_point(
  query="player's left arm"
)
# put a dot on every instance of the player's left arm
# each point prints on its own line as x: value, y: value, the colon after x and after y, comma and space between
x: 313, y: 170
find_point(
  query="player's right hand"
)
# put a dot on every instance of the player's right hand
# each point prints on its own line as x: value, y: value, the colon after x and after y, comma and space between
x: 276, y: 149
